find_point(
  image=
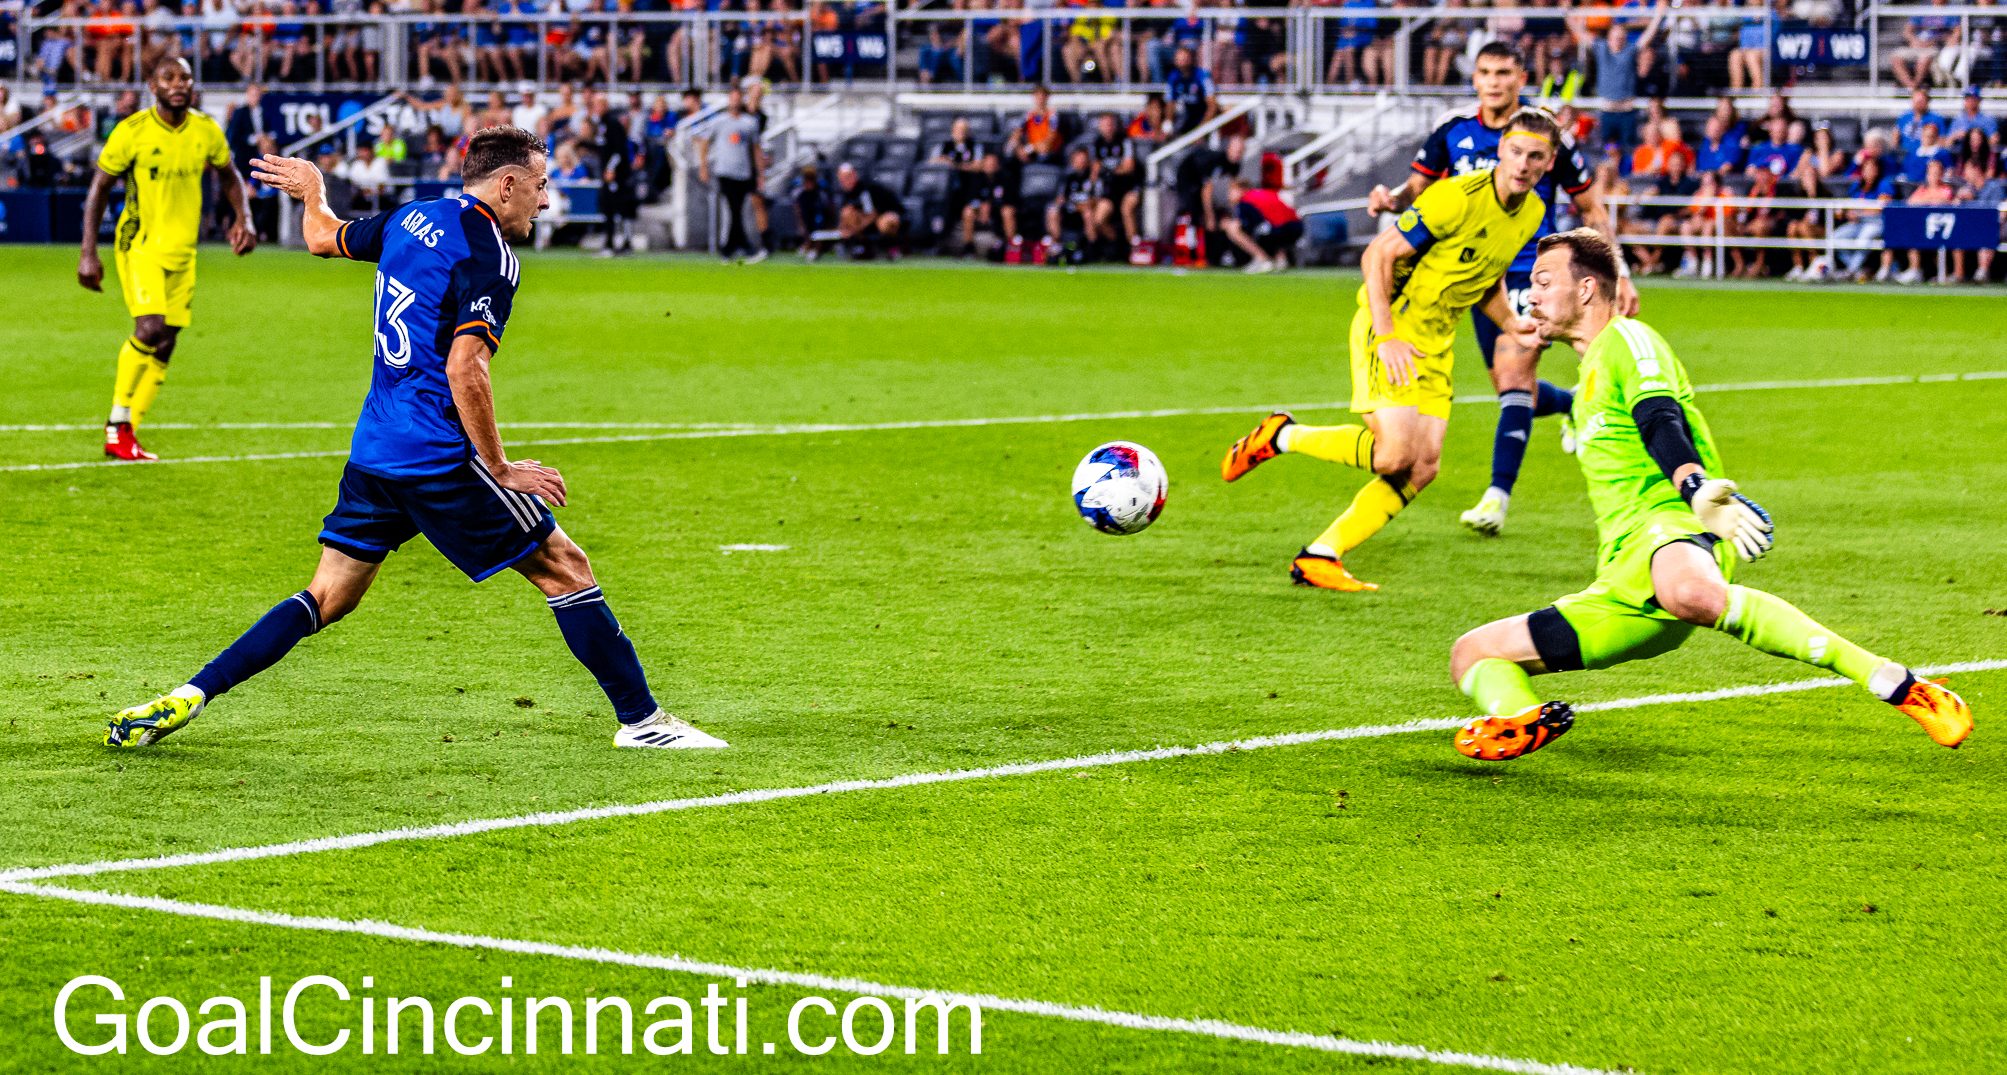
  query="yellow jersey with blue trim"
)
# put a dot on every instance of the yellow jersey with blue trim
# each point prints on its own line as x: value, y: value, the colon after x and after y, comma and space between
x: 1465, y: 239
x: 162, y: 167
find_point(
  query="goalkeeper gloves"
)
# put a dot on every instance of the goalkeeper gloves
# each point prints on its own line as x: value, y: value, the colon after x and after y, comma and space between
x: 1729, y: 515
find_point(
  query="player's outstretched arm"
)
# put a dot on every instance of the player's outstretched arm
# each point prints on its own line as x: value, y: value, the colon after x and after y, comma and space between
x: 301, y: 180
x: 474, y: 397
x: 1383, y: 200
x: 1498, y: 306
x: 1726, y: 513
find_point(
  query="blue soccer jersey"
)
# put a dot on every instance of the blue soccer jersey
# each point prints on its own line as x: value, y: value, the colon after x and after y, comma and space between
x: 443, y: 271
x: 1462, y: 144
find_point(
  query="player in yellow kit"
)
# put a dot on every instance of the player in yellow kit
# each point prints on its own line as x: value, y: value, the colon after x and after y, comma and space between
x: 160, y: 153
x: 1447, y: 253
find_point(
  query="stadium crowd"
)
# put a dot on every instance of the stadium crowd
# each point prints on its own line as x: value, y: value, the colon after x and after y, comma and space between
x: 1241, y: 42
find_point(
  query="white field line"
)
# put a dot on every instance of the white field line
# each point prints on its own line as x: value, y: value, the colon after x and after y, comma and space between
x: 950, y: 776
x: 704, y: 432
x: 1212, y: 1028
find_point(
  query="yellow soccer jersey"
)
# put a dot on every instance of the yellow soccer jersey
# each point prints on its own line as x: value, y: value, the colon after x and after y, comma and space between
x: 1465, y: 240
x: 162, y: 167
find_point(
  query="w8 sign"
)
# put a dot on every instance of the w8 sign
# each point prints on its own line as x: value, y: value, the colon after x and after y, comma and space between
x: 1940, y: 227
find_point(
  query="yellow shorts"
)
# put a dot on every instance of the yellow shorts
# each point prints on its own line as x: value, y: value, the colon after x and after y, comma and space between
x: 1427, y: 390
x: 153, y: 289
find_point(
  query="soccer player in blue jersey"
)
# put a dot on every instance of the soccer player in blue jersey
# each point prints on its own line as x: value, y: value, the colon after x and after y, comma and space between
x: 1468, y: 142
x: 426, y: 456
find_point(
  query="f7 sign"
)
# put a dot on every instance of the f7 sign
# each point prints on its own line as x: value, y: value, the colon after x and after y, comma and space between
x: 1940, y: 227
x: 1804, y: 45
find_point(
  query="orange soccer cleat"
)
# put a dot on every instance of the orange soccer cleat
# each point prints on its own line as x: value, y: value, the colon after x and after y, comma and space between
x: 1326, y: 573
x: 1508, y: 737
x: 1254, y: 449
x: 1940, y: 710
x: 123, y: 445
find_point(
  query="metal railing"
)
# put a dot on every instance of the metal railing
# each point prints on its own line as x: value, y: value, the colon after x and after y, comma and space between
x: 1299, y: 50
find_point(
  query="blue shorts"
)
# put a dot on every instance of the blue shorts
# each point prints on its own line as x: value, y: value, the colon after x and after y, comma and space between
x: 1517, y: 284
x: 478, y: 525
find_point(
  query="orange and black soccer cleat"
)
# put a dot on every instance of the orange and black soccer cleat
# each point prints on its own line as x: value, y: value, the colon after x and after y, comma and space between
x: 1254, y: 449
x: 1941, y: 711
x: 121, y: 444
x: 1326, y: 573
x: 1505, y: 738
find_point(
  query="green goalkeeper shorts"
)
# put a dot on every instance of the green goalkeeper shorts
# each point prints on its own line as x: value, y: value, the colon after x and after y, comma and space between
x: 1618, y: 618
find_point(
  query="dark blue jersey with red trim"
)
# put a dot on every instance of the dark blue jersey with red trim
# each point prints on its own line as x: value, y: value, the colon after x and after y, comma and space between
x: 1462, y: 144
x: 443, y: 271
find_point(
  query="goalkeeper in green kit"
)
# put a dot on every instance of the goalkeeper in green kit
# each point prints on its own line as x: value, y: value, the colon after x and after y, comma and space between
x: 1670, y: 527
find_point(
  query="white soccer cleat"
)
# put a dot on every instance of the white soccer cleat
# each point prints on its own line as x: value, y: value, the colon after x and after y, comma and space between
x: 1909, y: 276
x: 1488, y: 518
x: 664, y: 732
x: 1259, y: 266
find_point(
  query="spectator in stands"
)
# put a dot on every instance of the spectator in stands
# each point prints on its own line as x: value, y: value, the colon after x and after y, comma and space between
x: 1347, y: 67
x: 439, y: 43
x: 244, y: 125
x: 1677, y: 181
x: 1871, y: 184
x: 941, y: 55
x: 529, y: 112
x: 813, y: 211
x: 1975, y: 148
x: 1121, y: 172
x: 56, y: 51
x: 1655, y: 79
x: 1875, y: 146
x: 437, y: 155
x: 1148, y: 129
x: 1263, y: 226
x: 264, y: 200
x: 1934, y: 190
x: 1929, y: 148
x: 1659, y: 148
x: 567, y: 169
x: 369, y: 176
x: 1777, y: 155
x: 1038, y: 138
x: 868, y: 214
x: 1444, y: 46
x: 1909, y: 129
x: 1189, y: 89
x: 1922, y: 36
x: 1610, y: 189
x: 10, y: 112
x: 1202, y: 178
x: 1704, y: 218
x: 1825, y: 155
x: 728, y: 150
x: 1752, y: 47
x: 1972, y: 119
x: 993, y: 209
x: 1265, y: 51
x: 1092, y: 51
x: 1805, y: 224
x: 1158, y: 51
x: 1616, y: 58
x: 1984, y: 186
x: 1080, y: 208
x: 390, y: 144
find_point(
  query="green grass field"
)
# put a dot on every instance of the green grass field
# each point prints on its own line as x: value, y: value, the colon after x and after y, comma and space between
x: 1793, y: 882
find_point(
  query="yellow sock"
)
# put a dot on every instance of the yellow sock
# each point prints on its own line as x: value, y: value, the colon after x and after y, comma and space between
x: 1370, y: 510
x: 1350, y: 445
x: 149, y: 387
x: 134, y: 358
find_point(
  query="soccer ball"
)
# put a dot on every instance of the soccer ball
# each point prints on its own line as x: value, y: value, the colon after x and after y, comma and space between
x: 1119, y: 488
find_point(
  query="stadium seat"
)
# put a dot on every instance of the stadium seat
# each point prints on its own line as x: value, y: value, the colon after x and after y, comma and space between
x: 1040, y: 183
x: 923, y: 222
x: 900, y: 151
x: 933, y: 182
x: 1846, y: 132
x: 1737, y: 185
x: 987, y: 127
x: 890, y: 176
x: 862, y: 150
x: 934, y: 128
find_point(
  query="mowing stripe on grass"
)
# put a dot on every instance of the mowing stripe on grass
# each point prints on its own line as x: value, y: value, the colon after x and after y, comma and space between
x: 950, y: 776
x: 1212, y: 1028
x: 709, y: 432
x: 33, y: 427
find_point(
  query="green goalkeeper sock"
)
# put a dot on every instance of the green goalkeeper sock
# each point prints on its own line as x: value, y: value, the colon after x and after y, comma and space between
x: 1774, y: 625
x: 1499, y: 687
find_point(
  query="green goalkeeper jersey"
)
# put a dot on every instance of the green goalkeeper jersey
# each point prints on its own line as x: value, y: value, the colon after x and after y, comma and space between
x: 1625, y: 363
